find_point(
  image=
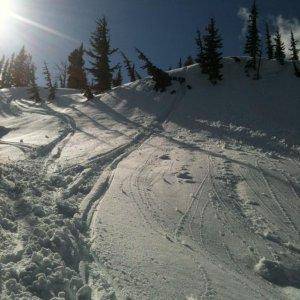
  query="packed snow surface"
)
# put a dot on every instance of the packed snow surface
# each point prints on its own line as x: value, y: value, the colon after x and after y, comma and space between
x: 189, y: 194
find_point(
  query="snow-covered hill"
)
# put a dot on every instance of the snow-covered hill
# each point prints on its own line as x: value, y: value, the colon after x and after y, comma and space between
x: 188, y: 194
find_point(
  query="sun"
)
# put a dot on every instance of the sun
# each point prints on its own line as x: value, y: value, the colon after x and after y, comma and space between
x: 5, y: 15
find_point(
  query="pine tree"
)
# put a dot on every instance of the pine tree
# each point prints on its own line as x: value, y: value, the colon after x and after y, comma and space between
x: 296, y: 69
x: 279, y: 48
x: 117, y: 81
x: 2, y: 65
x: 269, y: 44
x: 52, y: 88
x: 130, y: 68
x: 100, y: 53
x: 88, y: 92
x: 33, y: 89
x: 252, y: 45
x: 76, y: 72
x: 20, y: 68
x: 180, y: 63
x: 211, y: 58
x: 2, y: 62
x: 5, y: 75
x: 138, y: 76
x: 200, y: 46
x: 161, y: 78
x: 62, y: 75
x: 189, y: 61
x: 293, y: 49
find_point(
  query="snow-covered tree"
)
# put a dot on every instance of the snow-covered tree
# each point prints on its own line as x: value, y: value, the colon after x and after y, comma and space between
x: 99, y: 54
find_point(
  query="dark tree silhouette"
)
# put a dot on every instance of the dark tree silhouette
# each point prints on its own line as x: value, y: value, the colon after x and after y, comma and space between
x: 99, y: 54
x: 269, y: 44
x: 252, y: 45
x: 211, y: 61
x: 130, y: 67
x: 279, y: 48
x: 161, y: 78
x: 189, y: 61
x: 76, y: 72
x: 199, y: 43
x: 51, y: 87
x: 88, y: 92
x: 20, y: 68
x: 293, y: 49
x: 62, y: 74
x: 180, y: 63
x: 118, y: 79
x: 33, y: 89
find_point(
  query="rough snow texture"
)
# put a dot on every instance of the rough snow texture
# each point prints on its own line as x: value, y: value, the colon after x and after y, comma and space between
x: 185, y: 195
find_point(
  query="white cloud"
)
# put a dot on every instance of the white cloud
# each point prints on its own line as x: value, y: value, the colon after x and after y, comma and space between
x: 243, y: 14
x: 285, y: 26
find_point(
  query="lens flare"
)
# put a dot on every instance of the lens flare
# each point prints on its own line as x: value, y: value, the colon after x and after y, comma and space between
x: 5, y: 15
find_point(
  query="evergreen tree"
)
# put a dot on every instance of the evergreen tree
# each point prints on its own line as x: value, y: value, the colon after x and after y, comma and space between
x: 2, y: 62
x: 279, y: 48
x: 88, y: 92
x: 211, y: 58
x: 293, y: 49
x: 257, y: 76
x: 2, y: 66
x: 252, y: 45
x: 5, y: 77
x: 21, y: 68
x: 62, y: 76
x: 76, y: 72
x: 52, y: 88
x: 189, y: 61
x: 161, y: 78
x: 130, y: 68
x: 100, y: 53
x: 33, y: 89
x: 296, y: 69
x: 180, y: 63
x: 117, y: 81
x: 269, y: 44
x: 200, y: 46
x: 138, y: 76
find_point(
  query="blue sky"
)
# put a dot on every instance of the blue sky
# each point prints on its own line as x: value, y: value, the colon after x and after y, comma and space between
x: 164, y: 29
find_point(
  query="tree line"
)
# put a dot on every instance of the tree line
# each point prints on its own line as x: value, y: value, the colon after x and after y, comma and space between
x: 20, y: 71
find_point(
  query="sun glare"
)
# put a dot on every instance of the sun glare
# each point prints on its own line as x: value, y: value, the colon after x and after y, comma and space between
x: 5, y: 15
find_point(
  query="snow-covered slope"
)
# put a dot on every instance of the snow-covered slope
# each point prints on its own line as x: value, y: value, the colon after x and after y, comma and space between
x: 188, y: 194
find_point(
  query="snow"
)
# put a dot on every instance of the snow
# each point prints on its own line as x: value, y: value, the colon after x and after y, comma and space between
x: 145, y: 195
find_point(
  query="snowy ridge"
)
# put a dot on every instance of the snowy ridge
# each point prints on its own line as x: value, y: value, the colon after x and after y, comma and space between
x: 187, y: 194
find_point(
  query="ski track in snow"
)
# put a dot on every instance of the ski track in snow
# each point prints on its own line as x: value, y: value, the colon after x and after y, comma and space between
x: 150, y: 233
